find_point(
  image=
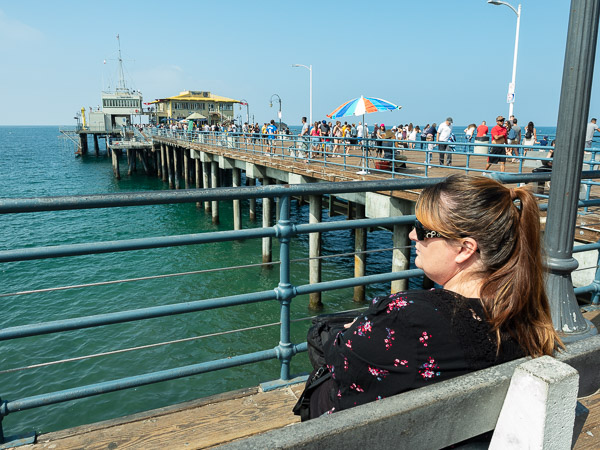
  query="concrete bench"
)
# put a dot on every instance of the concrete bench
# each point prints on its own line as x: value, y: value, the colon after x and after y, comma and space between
x: 529, y: 404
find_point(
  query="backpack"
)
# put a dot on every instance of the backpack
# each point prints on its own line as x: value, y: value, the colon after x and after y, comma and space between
x: 528, y: 135
x: 512, y: 134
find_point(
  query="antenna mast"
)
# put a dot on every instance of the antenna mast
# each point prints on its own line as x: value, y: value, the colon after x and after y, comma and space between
x: 122, y: 86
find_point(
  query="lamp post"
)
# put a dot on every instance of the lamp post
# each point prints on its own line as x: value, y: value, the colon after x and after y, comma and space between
x: 310, y: 88
x: 271, y: 105
x: 244, y: 102
x: 511, y: 87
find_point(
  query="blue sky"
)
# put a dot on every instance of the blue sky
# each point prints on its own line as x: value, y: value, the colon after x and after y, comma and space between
x: 435, y: 58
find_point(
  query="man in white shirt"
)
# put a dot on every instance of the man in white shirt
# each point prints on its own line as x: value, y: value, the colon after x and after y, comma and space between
x: 359, y: 130
x: 304, y: 135
x: 589, y: 133
x: 443, y: 134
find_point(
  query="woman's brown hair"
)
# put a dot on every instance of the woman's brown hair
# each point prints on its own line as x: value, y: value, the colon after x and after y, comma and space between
x: 506, y: 225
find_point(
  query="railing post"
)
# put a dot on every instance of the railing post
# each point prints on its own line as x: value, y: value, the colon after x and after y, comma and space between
x: 564, y: 195
x: 285, y: 291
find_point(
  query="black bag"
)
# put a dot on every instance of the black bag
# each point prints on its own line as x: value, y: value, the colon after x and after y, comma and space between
x: 528, y: 135
x: 324, y: 328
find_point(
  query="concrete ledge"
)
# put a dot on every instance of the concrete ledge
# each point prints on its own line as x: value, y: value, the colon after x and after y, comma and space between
x: 441, y: 414
x: 405, y: 420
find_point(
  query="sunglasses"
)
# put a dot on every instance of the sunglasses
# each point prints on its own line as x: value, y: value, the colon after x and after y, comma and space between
x: 425, y: 233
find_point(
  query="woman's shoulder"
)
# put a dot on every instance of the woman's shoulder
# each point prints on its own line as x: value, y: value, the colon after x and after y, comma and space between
x: 425, y: 299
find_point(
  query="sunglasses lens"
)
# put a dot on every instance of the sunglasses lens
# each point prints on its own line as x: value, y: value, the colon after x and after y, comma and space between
x: 419, y: 230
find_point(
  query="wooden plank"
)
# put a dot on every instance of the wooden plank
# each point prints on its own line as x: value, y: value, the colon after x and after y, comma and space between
x: 205, y: 425
x: 589, y: 438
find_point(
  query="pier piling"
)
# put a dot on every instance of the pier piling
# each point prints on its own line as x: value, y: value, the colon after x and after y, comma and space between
x: 163, y: 162
x: 176, y: 166
x: 252, y: 201
x: 214, y: 173
x: 198, y: 167
x: 186, y: 168
x: 115, y: 163
x: 267, y: 242
x: 314, y: 250
x: 206, y: 181
x: 360, y: 245
x: 400, y: 255
x: 237, y: 210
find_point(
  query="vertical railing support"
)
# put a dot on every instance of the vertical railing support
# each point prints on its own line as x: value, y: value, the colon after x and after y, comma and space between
x: 570, y: 135
x: 285, y: 291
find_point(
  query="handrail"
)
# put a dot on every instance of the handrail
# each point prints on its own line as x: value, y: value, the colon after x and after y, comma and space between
x: 284, y: 292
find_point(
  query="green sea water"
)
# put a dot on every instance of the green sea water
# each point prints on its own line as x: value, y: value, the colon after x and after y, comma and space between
x: 35, y: 162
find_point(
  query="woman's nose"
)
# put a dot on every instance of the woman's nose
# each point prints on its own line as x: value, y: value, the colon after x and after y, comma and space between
x: 413, y: 235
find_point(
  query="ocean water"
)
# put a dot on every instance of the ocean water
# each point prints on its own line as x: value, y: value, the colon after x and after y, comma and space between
x: 34, y: 161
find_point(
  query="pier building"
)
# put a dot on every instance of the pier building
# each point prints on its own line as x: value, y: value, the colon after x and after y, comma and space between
x: 214, y: 109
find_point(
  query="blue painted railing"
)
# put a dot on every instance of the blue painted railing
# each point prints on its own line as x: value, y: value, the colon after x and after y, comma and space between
x: 284, y: 230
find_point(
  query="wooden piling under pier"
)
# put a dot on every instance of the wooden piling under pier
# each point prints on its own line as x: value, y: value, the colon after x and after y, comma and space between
x: 267, y: 242
x: 314, y: 250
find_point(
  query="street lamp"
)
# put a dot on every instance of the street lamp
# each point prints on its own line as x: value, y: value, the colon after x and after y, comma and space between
x: 271, y: 105
x: 244, y: 102
x: 310, y: 88
x: 511, y: 87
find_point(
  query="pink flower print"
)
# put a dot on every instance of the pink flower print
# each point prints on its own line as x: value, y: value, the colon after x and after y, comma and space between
x: 339, y: 393
x: 349, y: 344
x: 345, y: 363
x: 424, y: 337
x: 428, y: 369
x: 396, y: 304
x: 397, y: 362
x: 356, y: 387
x: 380, y: 374
x: 389, y: 339
x: 364, y: 328
x: 332, y: 370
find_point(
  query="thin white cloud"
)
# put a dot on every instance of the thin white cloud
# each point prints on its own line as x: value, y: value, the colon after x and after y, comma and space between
x: 14, y: 32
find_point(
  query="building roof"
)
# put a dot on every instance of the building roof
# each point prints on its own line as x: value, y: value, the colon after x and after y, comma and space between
x: 197, y: 96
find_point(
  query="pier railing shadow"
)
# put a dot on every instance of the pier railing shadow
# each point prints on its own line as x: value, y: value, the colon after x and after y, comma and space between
x: 281, y: 295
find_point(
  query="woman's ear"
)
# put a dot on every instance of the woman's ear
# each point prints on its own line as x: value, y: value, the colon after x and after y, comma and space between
x: 467, y: 249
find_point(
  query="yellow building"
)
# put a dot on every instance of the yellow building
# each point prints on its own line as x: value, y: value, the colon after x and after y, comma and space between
x: 214, y: 108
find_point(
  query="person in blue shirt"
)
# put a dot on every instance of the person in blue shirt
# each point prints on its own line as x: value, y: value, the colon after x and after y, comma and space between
x: 271, y: 130
x: 544, y: 141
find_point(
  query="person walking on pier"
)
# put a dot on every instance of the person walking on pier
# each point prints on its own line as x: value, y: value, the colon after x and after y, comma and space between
x: 304, y: 136
x: 271, y: 130
x: 589, y: 133
x: 499, y: 134
x: 479, y: 240
x: 443, y: 134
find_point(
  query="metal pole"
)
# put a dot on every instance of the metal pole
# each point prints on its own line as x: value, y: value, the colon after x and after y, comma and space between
x: 511, y: 105
x: 285, y: 291
x: 570, y: 135
x: 310, y: 70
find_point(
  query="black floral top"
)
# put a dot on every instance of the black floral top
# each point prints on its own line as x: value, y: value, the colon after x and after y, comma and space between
x: 409, y: 340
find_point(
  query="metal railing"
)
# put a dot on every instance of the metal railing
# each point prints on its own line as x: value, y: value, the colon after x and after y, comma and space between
x: 284, y: 292
x: 384, y: 156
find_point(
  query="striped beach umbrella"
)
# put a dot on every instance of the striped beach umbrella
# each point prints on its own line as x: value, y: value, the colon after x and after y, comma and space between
x: 361, y: 106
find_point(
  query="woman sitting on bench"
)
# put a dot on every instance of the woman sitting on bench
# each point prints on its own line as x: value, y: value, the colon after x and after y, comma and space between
x: 480, y: 242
